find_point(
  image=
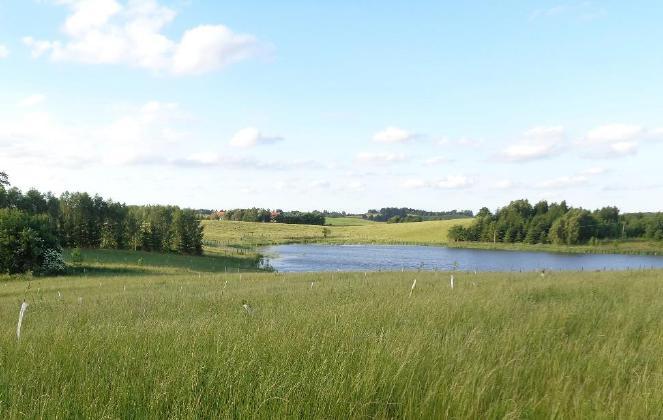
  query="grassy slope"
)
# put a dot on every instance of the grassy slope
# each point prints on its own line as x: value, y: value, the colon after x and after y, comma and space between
x: 173, y: 344
x: 111, y: 262
x: 247, y: 234
x: 347, y: 221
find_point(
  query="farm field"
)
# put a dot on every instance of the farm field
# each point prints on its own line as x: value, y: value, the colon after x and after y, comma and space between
x: 248, y: 234
x: 177, y: 343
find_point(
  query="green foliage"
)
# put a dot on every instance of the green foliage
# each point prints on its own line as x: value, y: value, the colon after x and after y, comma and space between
x: 300, y: 218
x: 24, y: 241
x: 85, y: 221
x: 558, y: 224
x: 53, y: 263
x: 248, y: 215
x: 406, y: 214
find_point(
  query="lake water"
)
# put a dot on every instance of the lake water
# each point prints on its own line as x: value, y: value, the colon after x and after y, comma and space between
x: 310, y: 258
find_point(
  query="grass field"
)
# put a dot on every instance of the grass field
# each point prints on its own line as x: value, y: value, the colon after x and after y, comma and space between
x: 177, y: 343
x: 347, y: 221
x: 248, y: 235
x: 245, y: 236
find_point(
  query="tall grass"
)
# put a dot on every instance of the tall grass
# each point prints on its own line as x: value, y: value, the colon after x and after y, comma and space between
x: 178, y: 345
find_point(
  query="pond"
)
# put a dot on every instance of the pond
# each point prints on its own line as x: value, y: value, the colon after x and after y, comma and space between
x: 312, y: 258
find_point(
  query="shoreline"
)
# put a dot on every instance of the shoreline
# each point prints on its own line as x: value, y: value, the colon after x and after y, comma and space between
x: 621, y: 248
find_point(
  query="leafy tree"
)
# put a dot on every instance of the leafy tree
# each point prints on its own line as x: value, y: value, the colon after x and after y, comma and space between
x: 24, y: 241
x: 4, y: 180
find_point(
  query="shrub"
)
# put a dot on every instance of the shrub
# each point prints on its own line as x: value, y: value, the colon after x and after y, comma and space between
x: 52, y: 264
x: 24, y: 240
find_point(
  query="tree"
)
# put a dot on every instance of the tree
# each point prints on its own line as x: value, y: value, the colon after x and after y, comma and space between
x: 25, y: 241
x: 188, y: 235
x: 4, y: 180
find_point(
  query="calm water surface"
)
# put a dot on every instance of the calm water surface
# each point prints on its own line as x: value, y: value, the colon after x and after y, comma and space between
x: 309, y: 257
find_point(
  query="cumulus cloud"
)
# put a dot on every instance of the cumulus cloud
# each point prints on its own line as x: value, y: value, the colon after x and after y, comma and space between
x: 594, y: 171
x: 381, y: 158
x: 210, y: 159
x: 504, y: 184
x: 570, y: 181
x: 393, y: 135
x: 131, y: 33
x: 41, y: 138
x: 536, y: 143
x: 614, y: 133
x: 251, y: 137
x: 617, y: 140
x: 450, y: 182
x: 32, y: 100
x: 564, y: 182
x: 436, y: 160
x: 4, y: 51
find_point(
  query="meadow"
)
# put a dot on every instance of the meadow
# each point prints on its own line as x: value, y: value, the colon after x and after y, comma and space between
x: 141, y: 341
x: 248, y: 235
x: 233, y: 236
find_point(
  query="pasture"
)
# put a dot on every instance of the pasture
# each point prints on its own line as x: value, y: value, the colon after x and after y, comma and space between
x: 177, y: 342
x: 249, y: 234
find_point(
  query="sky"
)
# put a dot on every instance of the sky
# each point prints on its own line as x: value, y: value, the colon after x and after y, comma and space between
x: 344, y: 105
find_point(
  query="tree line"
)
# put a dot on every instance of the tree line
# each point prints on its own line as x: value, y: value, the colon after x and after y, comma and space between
x: 557, y: 223
x: 33, y: 223
x: 266, y: 216
x: 406, y: 214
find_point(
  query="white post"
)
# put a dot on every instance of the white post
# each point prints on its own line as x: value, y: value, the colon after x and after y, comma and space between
x: 414, y: 284
x: 21, y: 313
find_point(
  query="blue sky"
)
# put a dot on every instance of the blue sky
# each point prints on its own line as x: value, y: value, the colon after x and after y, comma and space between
x: 346, y: 105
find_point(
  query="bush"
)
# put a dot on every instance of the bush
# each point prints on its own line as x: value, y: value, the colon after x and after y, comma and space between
x: 53, y: 263
x: 24, y: 240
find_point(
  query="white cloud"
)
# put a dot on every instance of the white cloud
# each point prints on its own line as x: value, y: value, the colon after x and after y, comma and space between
x: 504, y: 184
x: 436, y: 160
x: 135, y: 136
x: 655, y: 134
x: 564, y: 182
x: 381, y: 158
x: 32, y: 100
x: 393, y: 135
x: 617, y: 140
x: 450, y: 182
x: 614, y: 133
x: 4, y: 51
x: 207, y: 48
x: 353, y: 186
x: 130, y: 33
x: 594, y: 171
x: 251, y: 137
x: 537, y: 143
x: 570, y: 181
